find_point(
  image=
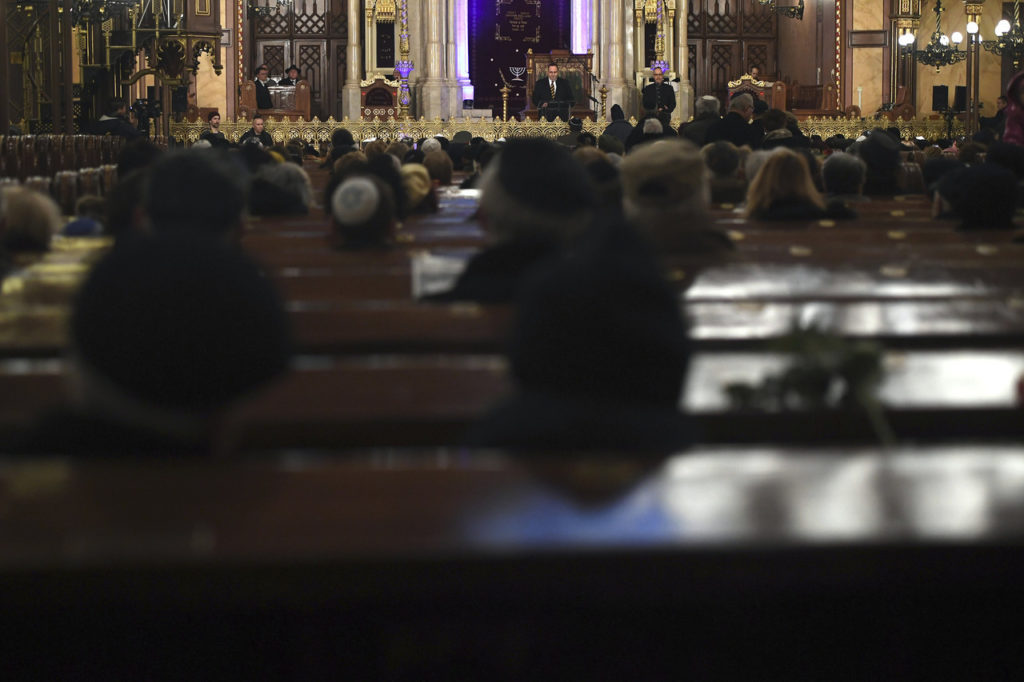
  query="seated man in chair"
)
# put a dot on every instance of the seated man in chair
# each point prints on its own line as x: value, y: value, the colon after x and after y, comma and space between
x: 553, y: 95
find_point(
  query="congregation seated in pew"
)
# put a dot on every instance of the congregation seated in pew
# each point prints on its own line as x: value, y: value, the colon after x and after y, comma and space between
x: 167, y: 332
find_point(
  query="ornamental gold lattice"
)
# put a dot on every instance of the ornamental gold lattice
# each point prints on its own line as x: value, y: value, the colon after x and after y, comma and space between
x: 316, y: 131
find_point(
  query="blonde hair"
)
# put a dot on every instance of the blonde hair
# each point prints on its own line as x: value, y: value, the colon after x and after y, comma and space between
x: 784, y: 176
x: 32, y: 220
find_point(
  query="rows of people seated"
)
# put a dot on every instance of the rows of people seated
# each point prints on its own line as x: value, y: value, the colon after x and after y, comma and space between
x: 395, y: 210
x: 588, y: 296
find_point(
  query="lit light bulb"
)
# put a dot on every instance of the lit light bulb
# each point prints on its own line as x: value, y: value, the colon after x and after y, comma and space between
x: 944, y: 40
x: 972, y: 27
x: 907, y: 39
x: 958, y: 37
x: 1003, y: 27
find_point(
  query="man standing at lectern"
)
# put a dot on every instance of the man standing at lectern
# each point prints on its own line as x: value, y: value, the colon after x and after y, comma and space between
x: 659, y: 97
x: 553, y: 96
x: 263, y: 98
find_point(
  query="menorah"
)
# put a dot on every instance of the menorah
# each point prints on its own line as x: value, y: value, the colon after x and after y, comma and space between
x: 517, y: 72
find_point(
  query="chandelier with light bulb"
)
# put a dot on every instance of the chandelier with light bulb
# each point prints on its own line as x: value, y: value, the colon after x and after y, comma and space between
x: 1009, y: 40
x: 941, y: 50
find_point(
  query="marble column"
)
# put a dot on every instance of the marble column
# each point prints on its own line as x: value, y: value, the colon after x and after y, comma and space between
x: 684, y: 104
x: 354, y: 61
x: 451, y: 62
x: 433, y: 96
x: 620, y: 90
x: 462, y: 49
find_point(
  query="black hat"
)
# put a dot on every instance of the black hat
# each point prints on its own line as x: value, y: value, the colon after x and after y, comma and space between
x: 181, y: 322
x: 290, y: 68
x: 983, y: 196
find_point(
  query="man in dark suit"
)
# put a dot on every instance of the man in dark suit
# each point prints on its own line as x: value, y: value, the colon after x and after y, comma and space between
x: 659, y: 97
x: 291, y: 76
x: 263, y: 99
x: 736, y: 126
x: 553, y: 95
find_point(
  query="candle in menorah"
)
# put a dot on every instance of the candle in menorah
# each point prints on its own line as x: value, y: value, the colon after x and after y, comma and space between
x: 517, y: 72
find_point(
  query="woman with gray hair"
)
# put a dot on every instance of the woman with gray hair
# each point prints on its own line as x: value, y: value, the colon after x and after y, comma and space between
x: 666, y: 197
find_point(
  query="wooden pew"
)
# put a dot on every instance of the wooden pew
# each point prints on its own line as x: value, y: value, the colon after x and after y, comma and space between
x: 380, y: 401
x: 767, y: 562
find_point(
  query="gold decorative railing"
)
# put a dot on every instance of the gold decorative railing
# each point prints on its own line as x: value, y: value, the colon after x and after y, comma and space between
x: 316, y: 131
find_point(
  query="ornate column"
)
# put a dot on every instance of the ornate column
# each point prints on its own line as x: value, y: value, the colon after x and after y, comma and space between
x: 461, y: 31
x: 580, y: 20
x: 350, y: 91
x: 433, y: 97
x: 620, y: 90
x: 450, y: 74
x: 684, y: 107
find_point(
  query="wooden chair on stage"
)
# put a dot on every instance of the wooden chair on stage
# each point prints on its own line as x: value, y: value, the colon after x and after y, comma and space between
x: 773, y: 93
x: 290, y: 103
x: 576, y: 68
x: 899, y: 108
x: 378, y: 98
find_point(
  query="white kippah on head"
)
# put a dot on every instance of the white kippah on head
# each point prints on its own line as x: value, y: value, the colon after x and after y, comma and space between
x: 429, y: 145
x: 354, y: 201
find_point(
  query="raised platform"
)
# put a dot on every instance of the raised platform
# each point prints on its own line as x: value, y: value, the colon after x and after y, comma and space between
x: 317, y: 131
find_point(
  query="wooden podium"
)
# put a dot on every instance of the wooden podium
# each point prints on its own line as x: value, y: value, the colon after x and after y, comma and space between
x: 575, y: 68
x: 291, y: 103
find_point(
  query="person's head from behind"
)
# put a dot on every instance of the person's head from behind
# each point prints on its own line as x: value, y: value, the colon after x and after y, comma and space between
x: 665, y: 190
x: 117, y: 107
x: 280, y: 189
x: 535, y: 189
x: 653, y: 126
x: 784, y: 178
x: 773, y: 119
x: 707, y: 107
x: 419, y: 188
x: 363, y: 212
x: 610, y: 144
x: 1009, y: 156
x: 742, y: 104
x: 636, y: 350
x: 136, y: 155
x: 617, y: 113
x: 721, y: 158
x: 168, y: 331
x: 843, y: 174
x: 880, y: 152
x: 439, y: 166
x: 194, y: 192
x: 983, y: 197
x: 30, y: 220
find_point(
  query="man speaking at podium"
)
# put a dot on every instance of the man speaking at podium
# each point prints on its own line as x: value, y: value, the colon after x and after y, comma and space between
x: 553, y: 96
x: 659, y: 97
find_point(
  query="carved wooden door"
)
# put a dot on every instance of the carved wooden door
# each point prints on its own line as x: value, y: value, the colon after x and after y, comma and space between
x: 726, y: 38
x: 306, y: 36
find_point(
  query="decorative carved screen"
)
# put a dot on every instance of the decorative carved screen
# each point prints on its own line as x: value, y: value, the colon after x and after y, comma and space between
x: 313, y: 35
x: 726, y: 38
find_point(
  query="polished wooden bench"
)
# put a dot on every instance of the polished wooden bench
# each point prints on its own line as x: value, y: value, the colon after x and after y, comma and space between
x: 766, y: 562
